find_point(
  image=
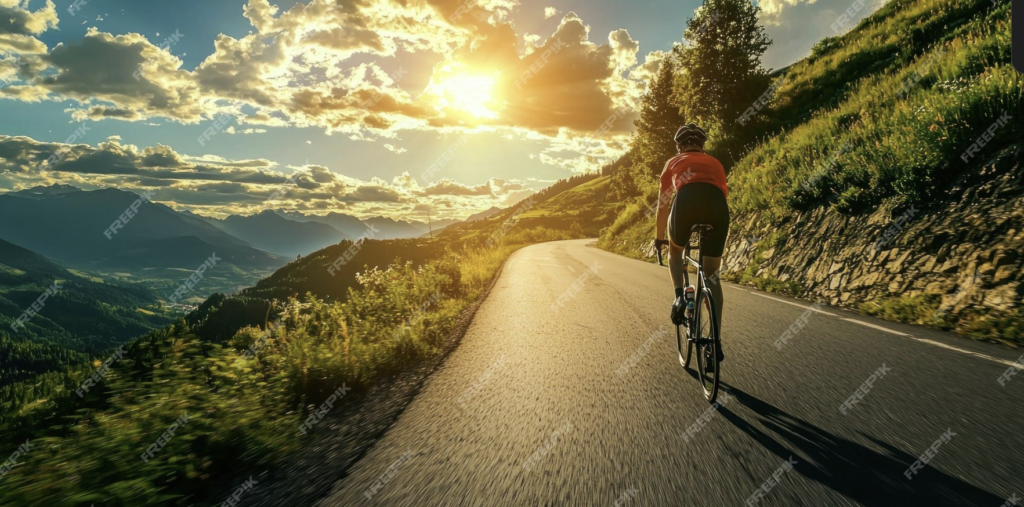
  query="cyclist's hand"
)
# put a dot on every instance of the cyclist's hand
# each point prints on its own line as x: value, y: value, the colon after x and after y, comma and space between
x: 656, y: 247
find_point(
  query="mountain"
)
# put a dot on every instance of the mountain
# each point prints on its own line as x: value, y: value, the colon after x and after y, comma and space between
x: 272, y: 232
x: 484, y: 214
x: 389, y: 228
x: 79, y: 316
x: 75, y: 227
x: 349, y: 226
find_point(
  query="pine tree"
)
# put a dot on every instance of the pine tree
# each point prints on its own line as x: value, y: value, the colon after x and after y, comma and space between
x: 659, y: 119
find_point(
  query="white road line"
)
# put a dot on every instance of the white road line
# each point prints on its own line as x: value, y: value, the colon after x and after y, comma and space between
x: 570, y: 268
x: 555, y: 265
x: 873, y: 326
x: 811, y: 308
x: 962, y: 351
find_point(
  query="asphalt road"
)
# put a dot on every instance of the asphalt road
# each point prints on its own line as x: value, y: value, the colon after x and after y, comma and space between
x: 587, y: 404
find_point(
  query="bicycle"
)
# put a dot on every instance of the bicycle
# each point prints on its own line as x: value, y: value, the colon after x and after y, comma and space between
x: 701, y: 327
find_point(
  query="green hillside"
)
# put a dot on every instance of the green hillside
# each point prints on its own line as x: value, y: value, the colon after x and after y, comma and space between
x: 901, y: 113
x: 81, y: 319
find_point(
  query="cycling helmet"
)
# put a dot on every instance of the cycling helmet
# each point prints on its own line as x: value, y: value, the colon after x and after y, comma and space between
x: 691, y: 134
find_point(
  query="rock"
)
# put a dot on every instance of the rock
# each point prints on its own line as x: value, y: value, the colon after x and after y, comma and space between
x: 929, y: 264
x: 768, y: 254
x: 939, y: 287
x: 836, y: 266
x: 986, y: 269
x: 837, y: 280
x: 1003, y: 258
x: 1004, y: 274
x: 948, y: 267
x: 894, y: 287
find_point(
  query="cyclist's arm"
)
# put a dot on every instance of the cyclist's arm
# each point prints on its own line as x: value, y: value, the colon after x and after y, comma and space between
x: 664, y: 201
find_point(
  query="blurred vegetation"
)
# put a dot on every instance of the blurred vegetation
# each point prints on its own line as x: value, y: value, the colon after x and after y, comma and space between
x: 244, y: 372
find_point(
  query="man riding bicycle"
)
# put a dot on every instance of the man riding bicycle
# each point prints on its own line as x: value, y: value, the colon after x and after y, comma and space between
x: 697, y: 180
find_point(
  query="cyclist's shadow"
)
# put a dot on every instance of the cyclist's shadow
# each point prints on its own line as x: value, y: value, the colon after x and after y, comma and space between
x: 866, y: 476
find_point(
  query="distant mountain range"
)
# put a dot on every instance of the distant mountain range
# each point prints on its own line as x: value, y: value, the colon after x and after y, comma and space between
x: 274, y: 233
x: 75, y: 227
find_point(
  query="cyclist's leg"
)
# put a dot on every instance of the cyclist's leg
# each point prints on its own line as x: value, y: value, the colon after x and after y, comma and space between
x: 676, y: 265
x: 679, y: 225
x: 711, y: 266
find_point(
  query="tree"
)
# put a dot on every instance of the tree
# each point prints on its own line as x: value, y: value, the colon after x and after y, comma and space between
x: 721, y: 64
x: 659, y: 119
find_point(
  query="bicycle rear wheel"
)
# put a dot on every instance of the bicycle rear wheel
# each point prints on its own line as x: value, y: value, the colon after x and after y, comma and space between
x: 683, y: 340
x: 708, y: 368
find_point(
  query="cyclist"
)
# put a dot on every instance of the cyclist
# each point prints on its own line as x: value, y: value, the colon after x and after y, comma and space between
x: 697, y: 180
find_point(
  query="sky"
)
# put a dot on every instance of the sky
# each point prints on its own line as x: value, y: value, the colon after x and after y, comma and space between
x: 367, y: 107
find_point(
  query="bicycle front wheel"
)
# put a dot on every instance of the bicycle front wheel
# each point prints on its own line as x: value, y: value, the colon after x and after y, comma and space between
x: 708, y: 367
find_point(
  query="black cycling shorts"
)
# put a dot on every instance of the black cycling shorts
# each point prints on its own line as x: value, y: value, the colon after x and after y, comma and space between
x: 700, y: 203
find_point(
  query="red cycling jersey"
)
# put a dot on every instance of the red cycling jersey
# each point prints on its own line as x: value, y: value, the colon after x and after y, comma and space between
x: 693, y: 167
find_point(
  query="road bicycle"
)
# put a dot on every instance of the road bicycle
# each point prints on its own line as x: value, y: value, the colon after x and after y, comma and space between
x: 700, y: 328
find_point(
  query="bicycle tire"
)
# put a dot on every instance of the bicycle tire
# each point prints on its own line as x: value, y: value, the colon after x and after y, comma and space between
x: 707, y: 346
x: 684, y: 341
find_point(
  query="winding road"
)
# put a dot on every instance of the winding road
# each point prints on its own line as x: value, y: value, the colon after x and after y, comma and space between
x: 566, y: 390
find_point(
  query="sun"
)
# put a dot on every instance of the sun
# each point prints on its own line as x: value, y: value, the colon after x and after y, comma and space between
x: 472, y: 94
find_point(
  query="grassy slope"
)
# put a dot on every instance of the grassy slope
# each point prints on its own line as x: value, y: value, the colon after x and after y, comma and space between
x: 907, y: 91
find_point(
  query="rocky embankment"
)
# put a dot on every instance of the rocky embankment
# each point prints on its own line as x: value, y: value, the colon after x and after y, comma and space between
x: 956, y: 263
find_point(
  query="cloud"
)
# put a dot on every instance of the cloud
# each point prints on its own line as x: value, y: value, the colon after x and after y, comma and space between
x: 224, y: 186
x: 337, y: 66
x: 19, y: 26
x: 392, y: 148
x: 550, y: 12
